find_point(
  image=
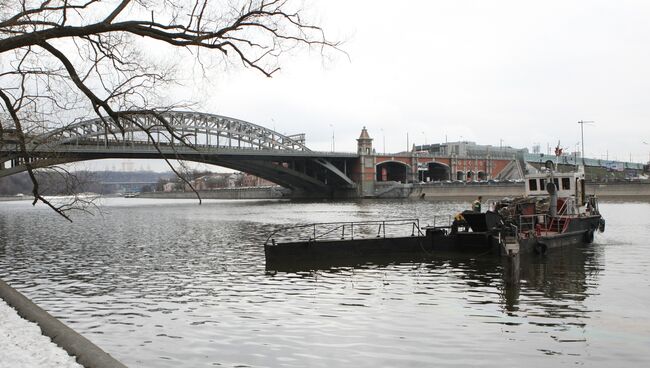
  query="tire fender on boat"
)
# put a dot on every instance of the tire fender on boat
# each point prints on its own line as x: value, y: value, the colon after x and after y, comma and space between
x: 601, y: 225
x: 589, y: 236
x: 540, y: 248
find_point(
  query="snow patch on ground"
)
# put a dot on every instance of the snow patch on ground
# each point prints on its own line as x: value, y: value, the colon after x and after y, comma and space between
x: 22, y: 345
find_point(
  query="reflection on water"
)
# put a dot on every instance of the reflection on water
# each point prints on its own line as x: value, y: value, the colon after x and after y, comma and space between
x: 172, y: 284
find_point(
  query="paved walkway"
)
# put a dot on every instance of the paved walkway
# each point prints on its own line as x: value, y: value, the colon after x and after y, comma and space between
x: 22, y: 345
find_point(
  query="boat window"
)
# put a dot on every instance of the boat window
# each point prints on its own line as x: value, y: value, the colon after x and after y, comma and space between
x: 566, y: 183
x: 532, y: 184
x: 542, y: 184
x: 557, y: 183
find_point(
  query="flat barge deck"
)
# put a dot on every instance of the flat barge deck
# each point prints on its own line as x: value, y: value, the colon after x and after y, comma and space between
x: 350, y: 242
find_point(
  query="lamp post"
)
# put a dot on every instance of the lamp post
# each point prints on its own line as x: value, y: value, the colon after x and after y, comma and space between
x: 383, y: 138
x: 407, y: 142
x: 582, y: 138
x: 333, y: 148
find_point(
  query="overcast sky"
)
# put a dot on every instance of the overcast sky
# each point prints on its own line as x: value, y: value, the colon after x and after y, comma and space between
x: 514, y: 72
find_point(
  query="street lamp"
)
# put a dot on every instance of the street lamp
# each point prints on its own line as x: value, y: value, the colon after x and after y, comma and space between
x: 408, y: 149
x: 582, y: 138
x: 383, y: 137
x: 332, y: 126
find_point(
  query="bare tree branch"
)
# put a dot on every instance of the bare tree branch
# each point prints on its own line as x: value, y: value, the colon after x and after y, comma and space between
x: 63, y: 60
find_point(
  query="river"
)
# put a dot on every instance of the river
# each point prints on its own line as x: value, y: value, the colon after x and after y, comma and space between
x: 170, y: 283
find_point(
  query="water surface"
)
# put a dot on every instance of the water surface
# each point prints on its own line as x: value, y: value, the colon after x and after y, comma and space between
x: 169, y: 283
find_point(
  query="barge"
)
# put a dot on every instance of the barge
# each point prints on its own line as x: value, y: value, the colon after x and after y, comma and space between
x: 350, y: 243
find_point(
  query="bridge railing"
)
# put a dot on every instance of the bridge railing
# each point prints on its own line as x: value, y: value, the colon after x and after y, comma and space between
x: 350, y: 230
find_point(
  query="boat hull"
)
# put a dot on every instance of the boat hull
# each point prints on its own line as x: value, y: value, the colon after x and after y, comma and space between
x: 298, y: 255
x: 579, y: 230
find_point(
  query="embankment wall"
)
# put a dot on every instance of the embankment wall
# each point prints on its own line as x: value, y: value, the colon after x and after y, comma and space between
x: 495, y: 191
x: 229, y: 193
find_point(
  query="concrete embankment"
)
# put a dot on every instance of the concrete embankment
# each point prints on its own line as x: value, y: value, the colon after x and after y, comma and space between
x: 15, y: 198
x: 495, y: 191
x: 88, y: 354
x: 396, y: 190
x: 620, y: 190
x: 466, y: 191
x: 229, y: 193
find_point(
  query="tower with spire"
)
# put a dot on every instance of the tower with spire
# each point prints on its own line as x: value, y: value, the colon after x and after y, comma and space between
x: 364, y: 143
x: 367, y: 162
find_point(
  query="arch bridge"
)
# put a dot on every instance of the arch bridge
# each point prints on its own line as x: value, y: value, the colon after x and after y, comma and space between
x: 190, y: 136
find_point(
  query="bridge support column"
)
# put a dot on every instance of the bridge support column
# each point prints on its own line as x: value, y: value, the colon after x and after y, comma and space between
x: 367, y: 175
x: 413, y: 175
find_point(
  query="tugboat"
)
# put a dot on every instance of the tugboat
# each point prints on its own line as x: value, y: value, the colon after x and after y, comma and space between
x: 555, y: 212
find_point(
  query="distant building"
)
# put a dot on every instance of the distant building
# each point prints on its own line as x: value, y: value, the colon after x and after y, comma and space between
x: 227, y: 180
x: 470, y: 149
x: 249, y: 180
x: 201, y: 183
x: 234, y: 180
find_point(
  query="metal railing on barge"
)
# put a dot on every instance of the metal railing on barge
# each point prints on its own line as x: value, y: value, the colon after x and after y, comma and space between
x: 345, y: 230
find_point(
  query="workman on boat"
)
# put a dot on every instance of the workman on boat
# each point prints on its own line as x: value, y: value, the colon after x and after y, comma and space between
x: 476, y: 205
x: 459, y: 220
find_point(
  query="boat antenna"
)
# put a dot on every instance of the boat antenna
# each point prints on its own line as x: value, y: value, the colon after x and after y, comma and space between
x: 582, y: 138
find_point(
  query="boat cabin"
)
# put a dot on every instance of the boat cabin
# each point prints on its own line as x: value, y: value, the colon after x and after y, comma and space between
x: 569, y: 185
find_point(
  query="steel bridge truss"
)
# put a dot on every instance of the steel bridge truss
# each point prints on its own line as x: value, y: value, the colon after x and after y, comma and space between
x: 190, y: 136
x: 193, y: 128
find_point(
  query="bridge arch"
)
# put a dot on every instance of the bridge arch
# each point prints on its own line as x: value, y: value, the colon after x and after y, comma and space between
x: 392, y: 170
x: 189, y: 136
x: 434, y: 171
x: 302, y: 175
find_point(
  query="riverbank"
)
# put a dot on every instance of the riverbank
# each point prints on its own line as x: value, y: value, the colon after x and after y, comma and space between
x: 25, y: 346
x: 436, y: 190
x: 14, y: 198
x: 225, y: 193
x: 495, y: 191
x: 622, y: 190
